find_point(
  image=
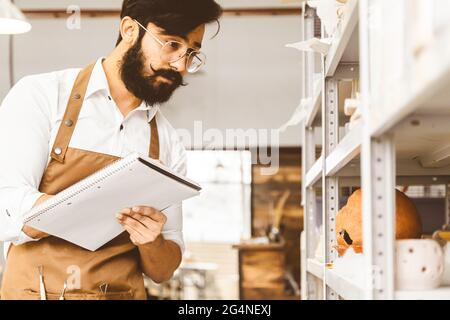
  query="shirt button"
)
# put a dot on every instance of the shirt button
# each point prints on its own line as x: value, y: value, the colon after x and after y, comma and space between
x: 109, y: 98
x: 58, y: 151
x: 121, y: 127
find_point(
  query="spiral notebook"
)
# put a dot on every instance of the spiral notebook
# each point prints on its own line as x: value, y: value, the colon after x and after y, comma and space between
x: 84, y: 213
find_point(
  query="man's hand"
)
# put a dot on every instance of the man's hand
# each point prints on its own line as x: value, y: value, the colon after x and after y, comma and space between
x: 159, y: 258
x: 31, y: 232
x: 34, y: 233
x: 144, y: 224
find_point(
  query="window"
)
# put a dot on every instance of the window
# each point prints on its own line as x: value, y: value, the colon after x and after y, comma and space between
x: 222, y: 212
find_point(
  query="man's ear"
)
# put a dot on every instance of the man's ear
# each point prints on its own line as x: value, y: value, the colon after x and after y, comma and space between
x: 129, y: 30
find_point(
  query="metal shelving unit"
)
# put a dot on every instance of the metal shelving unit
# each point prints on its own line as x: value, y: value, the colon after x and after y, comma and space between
x: 402, y: 139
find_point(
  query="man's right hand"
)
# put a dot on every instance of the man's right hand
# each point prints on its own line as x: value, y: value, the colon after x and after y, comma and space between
x: 34, y: 233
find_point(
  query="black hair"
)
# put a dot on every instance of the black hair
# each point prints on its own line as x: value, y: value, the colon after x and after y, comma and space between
x: 176, y: 17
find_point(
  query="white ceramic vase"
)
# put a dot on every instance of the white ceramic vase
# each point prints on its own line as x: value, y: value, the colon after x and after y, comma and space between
x: 419, y: 264
x: 446, y: 276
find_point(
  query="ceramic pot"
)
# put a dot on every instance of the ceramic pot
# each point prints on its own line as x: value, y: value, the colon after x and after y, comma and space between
x: 349, y: 222
x: 446, y: 275
x: 419, y: 264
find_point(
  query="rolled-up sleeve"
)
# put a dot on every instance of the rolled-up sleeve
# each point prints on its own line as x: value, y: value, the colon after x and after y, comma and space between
x: 24, y: 138
x: 173, y: 229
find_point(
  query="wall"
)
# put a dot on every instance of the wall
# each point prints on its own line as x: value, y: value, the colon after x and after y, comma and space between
x: 251, y: 80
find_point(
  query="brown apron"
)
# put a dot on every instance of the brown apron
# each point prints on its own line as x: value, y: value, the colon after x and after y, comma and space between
x: 111, y: 272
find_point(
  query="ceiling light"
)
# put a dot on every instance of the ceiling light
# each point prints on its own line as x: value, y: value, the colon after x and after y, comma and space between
x: 12, y: 20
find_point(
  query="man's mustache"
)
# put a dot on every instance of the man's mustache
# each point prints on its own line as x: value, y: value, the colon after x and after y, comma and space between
x: 169, y: 74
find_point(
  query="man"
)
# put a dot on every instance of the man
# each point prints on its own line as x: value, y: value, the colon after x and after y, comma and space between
x: 57, y: 128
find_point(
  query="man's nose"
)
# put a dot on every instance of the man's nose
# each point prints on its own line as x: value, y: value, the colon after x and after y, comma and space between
x: 180, y: 65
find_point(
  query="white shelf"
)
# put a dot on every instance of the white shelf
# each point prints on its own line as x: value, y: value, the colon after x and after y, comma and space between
x: 425, y: 138
x: 410, y: 169
x: 350, y: 290
x: 347, y: 149
x: 342, y: 39
x: 315, y: 173
x: 417, y: 138
x: 315, y: 267
x: 314, y: 107
x: 407, y: 139
x: 442, y: 293
x: 423, y: 90
x: 343, y: 286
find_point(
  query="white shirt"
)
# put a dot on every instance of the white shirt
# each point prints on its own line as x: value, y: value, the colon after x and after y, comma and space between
x: 30, y: 116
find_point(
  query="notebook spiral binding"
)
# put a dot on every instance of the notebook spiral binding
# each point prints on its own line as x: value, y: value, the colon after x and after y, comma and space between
x: 84, y: 184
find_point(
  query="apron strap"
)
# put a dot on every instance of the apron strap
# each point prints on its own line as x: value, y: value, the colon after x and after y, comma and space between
x: 154, y: 140
x: 72, y: 112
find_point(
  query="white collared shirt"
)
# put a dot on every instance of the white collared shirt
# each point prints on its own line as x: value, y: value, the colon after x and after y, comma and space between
x: 30, y: 116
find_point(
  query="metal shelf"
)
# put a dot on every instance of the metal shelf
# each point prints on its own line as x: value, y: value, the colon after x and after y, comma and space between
x: 408, y: 172
x: 403, y: 140
x: 424, y: 89
x: 315, y: 173
x: 344, y: 287
x: 442, y: 293
x: 348, y: 148
x: 316, y: 268
x: 350, y: 290
x: 424, y: 137
x: 416, y: 139
x: 314, y: 107
x: 342, y: 39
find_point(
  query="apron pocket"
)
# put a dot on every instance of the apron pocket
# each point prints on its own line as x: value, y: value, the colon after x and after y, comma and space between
x: 119, y: 295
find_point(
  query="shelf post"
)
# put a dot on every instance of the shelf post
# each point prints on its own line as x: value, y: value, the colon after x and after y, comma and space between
x: 447, y: 205
x: 303, y: 240
x: 330, y: 185
x: 310, y: 216
x: 308, y: 159
x: 378, y: 181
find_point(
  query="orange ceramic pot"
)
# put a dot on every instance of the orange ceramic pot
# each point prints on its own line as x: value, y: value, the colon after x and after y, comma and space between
x: 349, y: 222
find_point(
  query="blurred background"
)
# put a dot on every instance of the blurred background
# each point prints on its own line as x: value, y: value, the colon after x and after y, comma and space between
x: 243, y: 233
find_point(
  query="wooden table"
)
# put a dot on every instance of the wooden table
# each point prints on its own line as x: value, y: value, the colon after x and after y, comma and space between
x: 262, y: 271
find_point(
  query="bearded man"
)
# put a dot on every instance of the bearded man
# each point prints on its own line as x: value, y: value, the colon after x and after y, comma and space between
x: 57, y: 128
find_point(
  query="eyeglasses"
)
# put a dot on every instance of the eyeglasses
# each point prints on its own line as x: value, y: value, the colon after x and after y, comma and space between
x: 172, y: 51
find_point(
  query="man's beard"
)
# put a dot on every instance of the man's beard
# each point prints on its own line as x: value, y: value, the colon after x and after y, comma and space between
x: 148, y: 88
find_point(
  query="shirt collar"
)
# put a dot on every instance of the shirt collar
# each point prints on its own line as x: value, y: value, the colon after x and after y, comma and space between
x: 99, y: 83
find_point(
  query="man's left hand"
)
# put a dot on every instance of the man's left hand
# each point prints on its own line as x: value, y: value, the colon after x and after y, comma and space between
x: 144, y: 224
